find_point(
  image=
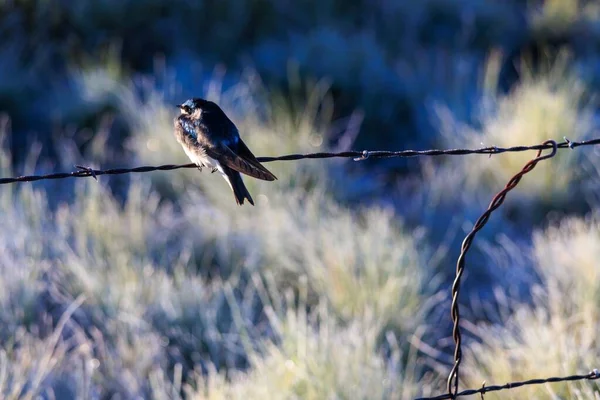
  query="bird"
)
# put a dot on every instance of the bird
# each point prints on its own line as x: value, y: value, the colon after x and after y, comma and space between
x: 210, y: 139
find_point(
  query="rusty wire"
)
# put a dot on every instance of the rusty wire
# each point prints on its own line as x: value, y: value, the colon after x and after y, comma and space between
x: 466, y: 245
x: 453, y: 378
x: 85, y: 172
x: 592, y: 375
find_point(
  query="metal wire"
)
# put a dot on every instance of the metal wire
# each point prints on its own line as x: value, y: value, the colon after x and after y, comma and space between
x: 453, y: 378
x: 593, y: 375
x: 466, y: 245
x: 85, y: 172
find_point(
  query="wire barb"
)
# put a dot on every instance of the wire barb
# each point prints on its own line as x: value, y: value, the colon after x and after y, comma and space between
x: 364, y: 156
x: 513, y: 385
x: 453, y: 378
x: 570, y: 144
x: 85, y: 172
x: 89, y: 170
x: 496, y: 202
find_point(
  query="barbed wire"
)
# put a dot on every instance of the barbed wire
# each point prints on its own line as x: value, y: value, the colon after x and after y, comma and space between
x: 497, y: 201
x: 592, y: 375
x: 86, y: 172
x: 466, y: 245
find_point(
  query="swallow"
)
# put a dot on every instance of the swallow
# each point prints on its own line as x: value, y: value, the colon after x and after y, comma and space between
x: 210, y: 139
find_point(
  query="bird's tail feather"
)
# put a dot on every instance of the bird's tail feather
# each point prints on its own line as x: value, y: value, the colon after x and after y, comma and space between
x: 237, y: 185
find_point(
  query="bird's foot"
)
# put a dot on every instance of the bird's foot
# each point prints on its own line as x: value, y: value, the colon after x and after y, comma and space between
x: 214, y: 170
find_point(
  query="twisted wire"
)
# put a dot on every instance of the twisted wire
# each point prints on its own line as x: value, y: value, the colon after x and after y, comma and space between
x: 466, y: 245
x: 453, y: 378
x: 85, y: 172
x: 592, y: 375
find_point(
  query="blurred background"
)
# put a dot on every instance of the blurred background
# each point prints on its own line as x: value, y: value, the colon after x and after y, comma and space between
x: 336, y: 284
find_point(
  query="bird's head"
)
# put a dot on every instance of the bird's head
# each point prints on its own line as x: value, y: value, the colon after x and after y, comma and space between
x: 197, y: 106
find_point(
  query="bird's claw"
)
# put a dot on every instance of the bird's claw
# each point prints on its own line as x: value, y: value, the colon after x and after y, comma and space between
x: 213, y: 170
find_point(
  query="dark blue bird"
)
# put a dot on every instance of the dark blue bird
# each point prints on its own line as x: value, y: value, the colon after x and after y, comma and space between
x: 211, y: 140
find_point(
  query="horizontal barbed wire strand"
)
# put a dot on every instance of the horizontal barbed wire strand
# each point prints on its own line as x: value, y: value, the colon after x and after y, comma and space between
x: 593, y: 375
x: 85, y: 172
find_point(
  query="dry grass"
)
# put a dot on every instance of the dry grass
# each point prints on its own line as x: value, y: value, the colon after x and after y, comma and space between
x: 556, y: 335
x: 185, y: 284
x: 544, y: 105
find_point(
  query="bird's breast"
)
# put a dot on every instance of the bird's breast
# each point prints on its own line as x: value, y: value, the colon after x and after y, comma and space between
x: 198, y: 156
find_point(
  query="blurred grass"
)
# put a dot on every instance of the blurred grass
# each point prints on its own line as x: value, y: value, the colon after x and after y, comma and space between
x: 549, y: 103
x: 328, y: 362
x: 154, y: 304
x: 363, y: 49
x: 322, y: 289
x: 563, y: 15
x: 555, y: 335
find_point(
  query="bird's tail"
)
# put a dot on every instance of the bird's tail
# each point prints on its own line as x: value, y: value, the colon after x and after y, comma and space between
x: 237, y: 185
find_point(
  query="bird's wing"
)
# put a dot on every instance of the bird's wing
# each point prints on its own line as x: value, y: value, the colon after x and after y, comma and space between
x: 244, y: 152
x: 240, y: 162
